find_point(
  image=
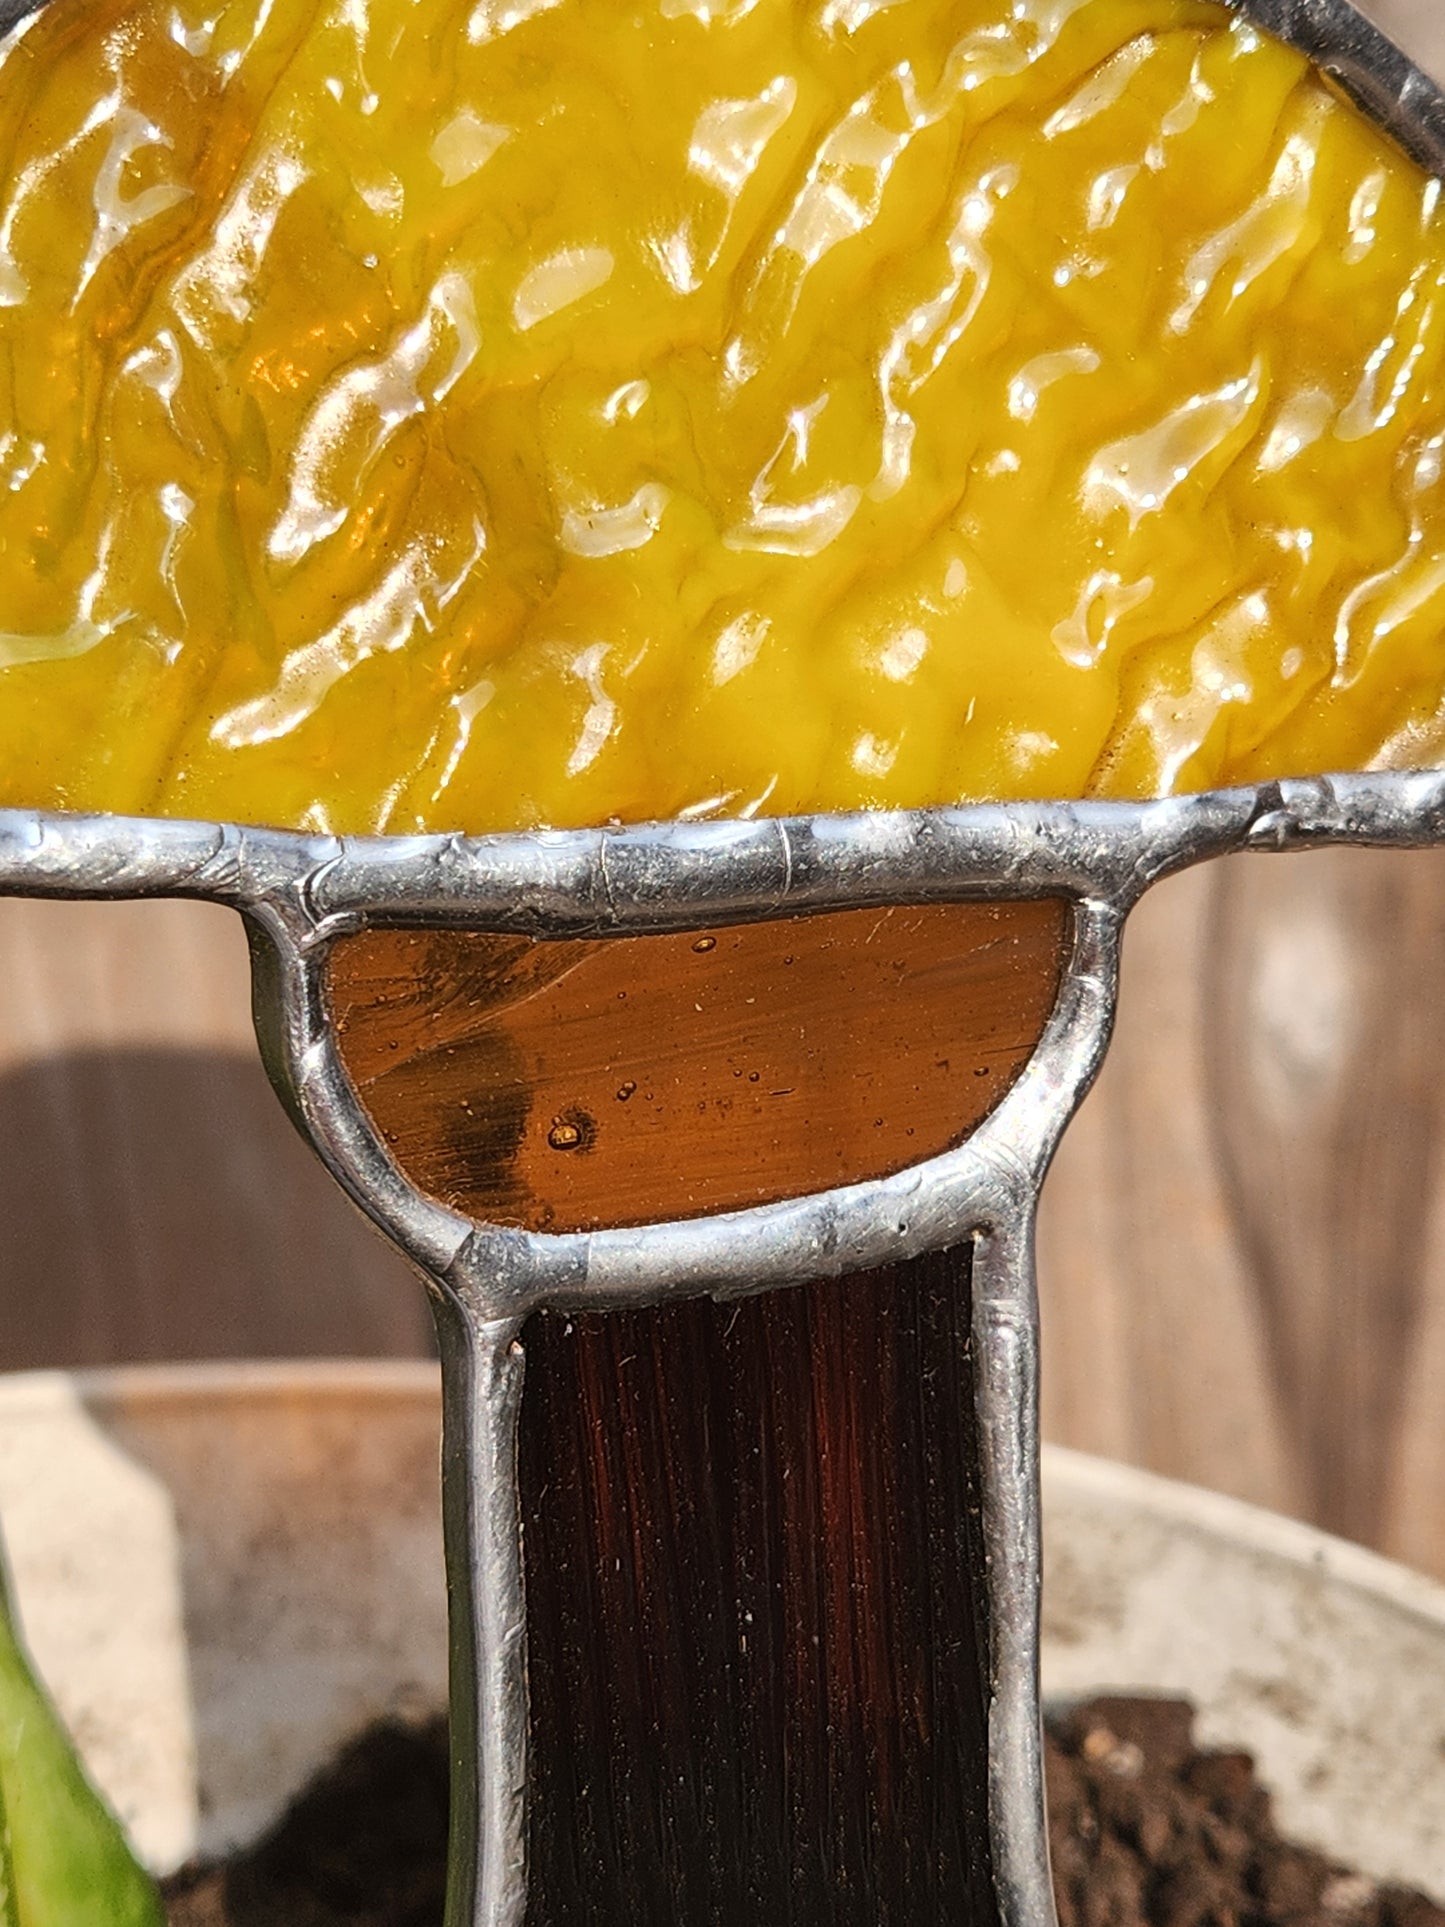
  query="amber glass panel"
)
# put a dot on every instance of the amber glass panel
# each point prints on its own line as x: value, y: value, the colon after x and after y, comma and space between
x: 755, y: 1642
x: 570, y: 1085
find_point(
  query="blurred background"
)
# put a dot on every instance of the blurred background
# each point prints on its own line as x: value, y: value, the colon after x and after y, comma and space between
x: 1242, y: 1252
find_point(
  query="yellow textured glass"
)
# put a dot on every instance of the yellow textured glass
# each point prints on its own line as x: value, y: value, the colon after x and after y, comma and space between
x: 546, y: 411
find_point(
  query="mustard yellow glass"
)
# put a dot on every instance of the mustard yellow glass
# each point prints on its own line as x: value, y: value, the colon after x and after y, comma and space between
x: 540, y: 411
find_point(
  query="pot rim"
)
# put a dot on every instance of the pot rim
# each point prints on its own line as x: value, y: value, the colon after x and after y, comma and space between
x: 1067, y: 1472
x: 1218, y: 1515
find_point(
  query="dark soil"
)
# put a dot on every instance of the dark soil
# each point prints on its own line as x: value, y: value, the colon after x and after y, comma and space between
x: 1147, y: 1831
x: 364, y: 1846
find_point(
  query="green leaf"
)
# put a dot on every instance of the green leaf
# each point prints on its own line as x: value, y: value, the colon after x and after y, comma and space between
x: 9, y: 1902
x: 64, y: 1861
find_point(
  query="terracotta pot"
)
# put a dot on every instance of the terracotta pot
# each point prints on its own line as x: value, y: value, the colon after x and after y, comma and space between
x: 224, y: 1571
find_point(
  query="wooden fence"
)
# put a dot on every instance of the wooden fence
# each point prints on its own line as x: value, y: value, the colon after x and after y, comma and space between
x: 1243, y: 1241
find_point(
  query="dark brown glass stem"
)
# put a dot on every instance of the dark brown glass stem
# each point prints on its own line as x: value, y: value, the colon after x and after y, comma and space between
x: 754, y: 1626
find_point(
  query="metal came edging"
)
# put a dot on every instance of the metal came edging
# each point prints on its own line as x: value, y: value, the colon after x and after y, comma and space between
x: 298, y: 893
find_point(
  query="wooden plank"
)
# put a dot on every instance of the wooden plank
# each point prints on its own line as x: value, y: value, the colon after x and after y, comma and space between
x: 155, y: 1202
x: 1242, y: 1244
